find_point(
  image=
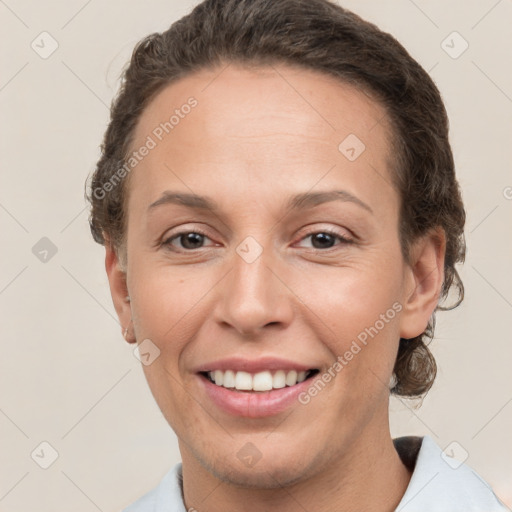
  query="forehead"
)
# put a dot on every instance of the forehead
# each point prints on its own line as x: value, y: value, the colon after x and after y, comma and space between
x: 257, y: 124
x: 231, y: 93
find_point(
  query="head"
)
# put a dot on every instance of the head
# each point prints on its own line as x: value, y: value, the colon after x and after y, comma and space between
x: 253, y: 105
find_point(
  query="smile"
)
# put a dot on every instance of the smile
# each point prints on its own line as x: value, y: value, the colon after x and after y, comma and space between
x: 261, y: 381
x: 255, y: 394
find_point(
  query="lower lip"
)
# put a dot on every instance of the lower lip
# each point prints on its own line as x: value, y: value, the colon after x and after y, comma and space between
x: 255, y: 404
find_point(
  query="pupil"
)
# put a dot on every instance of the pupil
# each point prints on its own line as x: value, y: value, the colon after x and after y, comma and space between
x: 320, y: 240
x: 190, y: 239
x: 323, y: 238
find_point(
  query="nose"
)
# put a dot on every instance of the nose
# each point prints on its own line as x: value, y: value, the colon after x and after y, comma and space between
x: 254, y: 297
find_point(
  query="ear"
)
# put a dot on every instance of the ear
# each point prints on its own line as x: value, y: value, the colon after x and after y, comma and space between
x: 119, y: 291
x: 423, y: 283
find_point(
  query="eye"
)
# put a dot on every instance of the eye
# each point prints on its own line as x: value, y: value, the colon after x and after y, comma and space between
x: 191, y: 240
x: 326, y: 239
x: 187, y: 240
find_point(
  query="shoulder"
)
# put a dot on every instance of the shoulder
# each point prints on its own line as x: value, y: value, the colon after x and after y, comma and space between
x: 165, y: 497
x: 440, y: 482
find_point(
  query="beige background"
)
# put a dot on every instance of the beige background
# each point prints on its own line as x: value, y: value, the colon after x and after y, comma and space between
x: 66, y: 375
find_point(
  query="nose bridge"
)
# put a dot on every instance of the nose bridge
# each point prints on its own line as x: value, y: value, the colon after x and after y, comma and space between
x: 252, y: 297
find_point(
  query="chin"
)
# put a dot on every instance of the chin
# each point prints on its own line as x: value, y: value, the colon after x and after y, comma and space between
x: 262, y: 478
x: 264, y: 474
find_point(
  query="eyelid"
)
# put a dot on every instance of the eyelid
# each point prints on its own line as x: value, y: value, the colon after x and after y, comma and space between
x: 323, y: 227
x: 330, y: 231
x: 344, y: 239
x: 167, y: 239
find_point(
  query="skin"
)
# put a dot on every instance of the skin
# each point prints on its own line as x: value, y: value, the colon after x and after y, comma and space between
x: 256, y: 137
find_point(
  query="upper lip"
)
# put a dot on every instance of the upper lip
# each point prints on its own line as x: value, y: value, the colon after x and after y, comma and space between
x: 253, y: 365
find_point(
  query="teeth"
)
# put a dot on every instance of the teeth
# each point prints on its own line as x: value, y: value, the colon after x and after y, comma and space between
x: 262, y: 381
x: 228, y: 379
x: 301, y: 376
x: 291, y: 378
x: 219, y: 377
x: 243, y: 381
x: 279, y: 379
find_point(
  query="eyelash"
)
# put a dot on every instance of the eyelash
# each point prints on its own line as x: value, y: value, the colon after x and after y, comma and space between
x: 343, y: 239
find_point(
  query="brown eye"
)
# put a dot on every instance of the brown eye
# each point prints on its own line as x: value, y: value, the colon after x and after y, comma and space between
x: 321, y: 240
x: 187, y: 240
x: 191, y: 240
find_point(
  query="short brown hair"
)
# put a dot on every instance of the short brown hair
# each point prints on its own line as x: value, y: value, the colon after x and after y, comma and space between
x: 320, y: 36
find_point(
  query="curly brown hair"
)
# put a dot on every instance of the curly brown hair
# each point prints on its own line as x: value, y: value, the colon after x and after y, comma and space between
x: 320, y: 36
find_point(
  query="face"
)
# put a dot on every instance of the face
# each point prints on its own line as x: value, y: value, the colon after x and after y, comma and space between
x: 287, y: 269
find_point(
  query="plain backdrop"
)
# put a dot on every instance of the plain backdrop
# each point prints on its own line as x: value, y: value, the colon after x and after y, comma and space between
x: 67, y: 378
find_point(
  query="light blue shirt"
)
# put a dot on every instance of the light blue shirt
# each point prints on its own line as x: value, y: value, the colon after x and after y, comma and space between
x: 437, y: 484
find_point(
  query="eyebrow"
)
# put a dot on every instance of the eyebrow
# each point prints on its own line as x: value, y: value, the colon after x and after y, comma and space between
x: 298, y: 202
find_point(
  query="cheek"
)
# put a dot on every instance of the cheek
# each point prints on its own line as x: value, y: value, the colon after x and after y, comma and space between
x: 359, y: 308
x: 164, y: 303
x: 171, y: 396
x: 351, y: 299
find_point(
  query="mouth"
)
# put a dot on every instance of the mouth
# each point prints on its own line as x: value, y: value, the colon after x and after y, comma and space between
x: 255, y: 395
x: 261, y: 382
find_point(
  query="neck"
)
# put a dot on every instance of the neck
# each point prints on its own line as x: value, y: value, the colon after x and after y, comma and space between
x: 370, y: 476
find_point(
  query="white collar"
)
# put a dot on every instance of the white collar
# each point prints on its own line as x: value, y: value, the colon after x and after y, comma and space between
x: 441, y: 483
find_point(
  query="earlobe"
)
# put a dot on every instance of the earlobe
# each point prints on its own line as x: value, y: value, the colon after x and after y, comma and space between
x: 119, y: 291
x: 424, y: 283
